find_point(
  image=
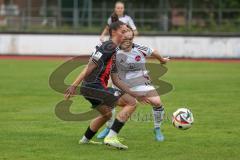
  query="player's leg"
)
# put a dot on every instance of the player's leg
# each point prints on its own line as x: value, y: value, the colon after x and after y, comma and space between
x: 102, y: 100
x: 109, y: 123
x: 158, y: 113
x: 98, y: 122
x: 129, y: 105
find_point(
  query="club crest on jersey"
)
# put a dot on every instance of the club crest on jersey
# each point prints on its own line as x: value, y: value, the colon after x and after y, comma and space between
x: 138, y: 58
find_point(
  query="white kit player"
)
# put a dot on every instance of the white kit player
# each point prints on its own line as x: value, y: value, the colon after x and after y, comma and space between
x: 130, y: 66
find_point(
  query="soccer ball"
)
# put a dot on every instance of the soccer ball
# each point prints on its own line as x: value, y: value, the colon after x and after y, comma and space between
x: 182, y: 118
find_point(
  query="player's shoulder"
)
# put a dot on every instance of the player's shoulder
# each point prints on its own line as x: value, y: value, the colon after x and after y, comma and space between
x: 127, y: 16
x: 107, y: 47
x: 140, y: 46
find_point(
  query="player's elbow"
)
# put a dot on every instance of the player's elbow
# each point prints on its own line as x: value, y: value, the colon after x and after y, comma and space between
x: 155, y: 53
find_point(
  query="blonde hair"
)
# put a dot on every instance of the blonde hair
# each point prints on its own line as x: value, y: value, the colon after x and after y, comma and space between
x: 119, y: 2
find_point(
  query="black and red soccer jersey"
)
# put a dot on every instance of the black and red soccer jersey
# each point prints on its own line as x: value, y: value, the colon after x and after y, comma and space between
x: 102, y: 56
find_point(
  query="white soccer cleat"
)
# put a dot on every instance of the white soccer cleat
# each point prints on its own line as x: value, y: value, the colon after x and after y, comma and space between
x: 89, y: 142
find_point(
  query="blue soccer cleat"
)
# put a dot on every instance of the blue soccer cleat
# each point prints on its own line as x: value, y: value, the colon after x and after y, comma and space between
x: 103, y: 134
x: 158, y: 135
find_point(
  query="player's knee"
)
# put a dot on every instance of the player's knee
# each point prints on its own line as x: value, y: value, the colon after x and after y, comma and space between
x: 156, y: 102
x: 108, y: 115
x: 132, y: 102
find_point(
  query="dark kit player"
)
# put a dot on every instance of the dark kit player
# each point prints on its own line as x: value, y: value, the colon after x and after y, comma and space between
x: 94, y: 80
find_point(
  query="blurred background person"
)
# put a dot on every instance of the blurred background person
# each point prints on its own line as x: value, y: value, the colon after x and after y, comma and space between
x: 119, y: 14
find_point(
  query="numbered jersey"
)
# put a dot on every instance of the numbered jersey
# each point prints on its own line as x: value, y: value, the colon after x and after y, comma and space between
x: 103, y: 56
x: 130, y: 66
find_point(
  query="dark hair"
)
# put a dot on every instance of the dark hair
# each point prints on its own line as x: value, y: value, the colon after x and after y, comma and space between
x: 115, y: 26
x: 114, y: 17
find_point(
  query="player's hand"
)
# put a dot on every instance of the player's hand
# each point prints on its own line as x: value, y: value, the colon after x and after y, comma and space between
x: 70, y: 92
x: 164, y: 60
x: 140, y: 97
x: 143, y: 100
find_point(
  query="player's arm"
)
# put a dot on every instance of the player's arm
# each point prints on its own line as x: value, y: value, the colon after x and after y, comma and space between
x: 124, y: 87
x: 117, y: 81
x: 86, y: 71
x: 121, y: 85
x: 151, y: 52
x: 161, y: 59
x: 105, y: 31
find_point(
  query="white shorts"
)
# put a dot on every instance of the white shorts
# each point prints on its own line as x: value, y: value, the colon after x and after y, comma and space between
x: 142, y: 88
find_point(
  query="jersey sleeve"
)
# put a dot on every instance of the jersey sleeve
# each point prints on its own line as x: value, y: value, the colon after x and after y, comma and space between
x: 98, y: 57
x: 131, y: 23
x: 103, y: 53
x: 146, y: 51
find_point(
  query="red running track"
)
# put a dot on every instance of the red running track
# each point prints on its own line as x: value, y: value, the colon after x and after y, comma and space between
x: 31, y: 57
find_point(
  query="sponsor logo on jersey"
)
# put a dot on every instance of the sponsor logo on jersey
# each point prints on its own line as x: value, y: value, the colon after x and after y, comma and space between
x: 97, y: 55
x: 138, y: 58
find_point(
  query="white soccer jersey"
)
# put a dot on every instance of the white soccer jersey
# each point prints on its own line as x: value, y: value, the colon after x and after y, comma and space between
x: 125, y: 19
x: 131, y: 65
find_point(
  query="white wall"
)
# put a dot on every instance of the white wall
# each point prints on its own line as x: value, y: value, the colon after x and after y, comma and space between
x: 173, y: 46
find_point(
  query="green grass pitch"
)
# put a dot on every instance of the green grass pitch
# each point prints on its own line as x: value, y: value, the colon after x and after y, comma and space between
x: 29, y: 129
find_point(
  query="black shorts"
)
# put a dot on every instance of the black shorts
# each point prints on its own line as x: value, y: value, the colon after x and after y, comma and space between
x: 97, y: 95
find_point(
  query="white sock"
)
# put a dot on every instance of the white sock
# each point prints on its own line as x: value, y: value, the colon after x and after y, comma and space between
x: 158, y: 114
x: 112, y: 133
x: 84, y: 139
x: 110, y: 122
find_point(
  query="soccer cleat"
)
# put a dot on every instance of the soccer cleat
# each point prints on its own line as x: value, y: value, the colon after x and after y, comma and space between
x: 103, y: 134
x: 114, y: 142
x: 89, y: 142
x: 158, y: 135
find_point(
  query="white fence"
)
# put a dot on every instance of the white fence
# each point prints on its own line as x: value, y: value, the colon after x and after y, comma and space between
x: 173, y: 46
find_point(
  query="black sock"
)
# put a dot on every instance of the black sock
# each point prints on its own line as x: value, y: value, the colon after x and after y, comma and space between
x: 117, y: 125
x: 89, y: 133
x: 160, y: 108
